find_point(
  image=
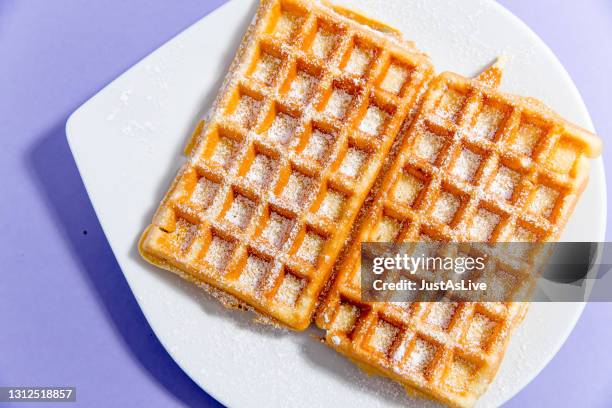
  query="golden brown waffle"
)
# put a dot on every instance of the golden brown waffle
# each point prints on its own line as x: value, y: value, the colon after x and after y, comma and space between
x: 313, y: 102
x: 476, y: 165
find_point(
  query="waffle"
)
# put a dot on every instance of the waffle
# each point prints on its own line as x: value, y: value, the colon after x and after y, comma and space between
x: 475, y: 165
x: 276, y: 176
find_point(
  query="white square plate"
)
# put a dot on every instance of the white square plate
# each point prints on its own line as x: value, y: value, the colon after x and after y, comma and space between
x: 127, y: 143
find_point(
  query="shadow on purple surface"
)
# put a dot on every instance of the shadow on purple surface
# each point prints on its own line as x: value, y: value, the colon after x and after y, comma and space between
x: 58, y: 179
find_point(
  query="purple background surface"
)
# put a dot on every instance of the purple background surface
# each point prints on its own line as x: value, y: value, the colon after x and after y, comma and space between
x: 67, y: 316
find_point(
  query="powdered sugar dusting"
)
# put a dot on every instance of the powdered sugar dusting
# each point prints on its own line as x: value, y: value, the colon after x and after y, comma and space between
x: 407, y: 188
x: 283, y: 128
x: 266, y: 68
x: 224, y: 152
x: 386, y: 230
x: 428, y: 146
x: 297, y: 189
x: 504, y: 183
x: 277, y: 230
x: 246, y: 111
x: 421, y: 355
x: 488, y: 122
x: 359, y: 60
x: 563, y: 156
x: 544, y: 201
x: 483, y: 224
x: 450, y: 104
x: 204, y: 192
x: 446, y: 207
x: 395, y: 78
x: 219, y: 252
x: 290, y: 289
x: 374, y: 120
x: 346, y: 318
x: 323, y: 43
x: 460, y: 374
x: 441, y: 314
x: 286, y: 25
x: 383, y: 336
x: 480, y: 330
x: 526, y: 138
x: 466, y: 165
x: 353, y: 162
x: 184, y: 234
x: 331, y: 207
x: 522, y: 234
x: 240, y: 212
x: 318, y: 145
x: 399, y: 352
x: 311, y: 247
x: 254, y: 272
x: 302, y: 86
x: 338, y: 103
x: 262, y: 170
